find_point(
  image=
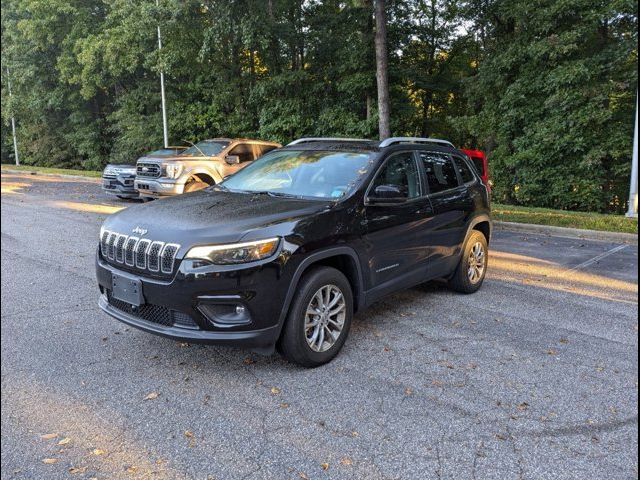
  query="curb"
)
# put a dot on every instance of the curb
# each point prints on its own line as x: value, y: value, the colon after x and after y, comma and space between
x: 616, y: 237
x: 63, y: 175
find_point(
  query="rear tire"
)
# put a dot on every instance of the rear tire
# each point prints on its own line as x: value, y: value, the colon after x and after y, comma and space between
x: 319, y: 318
x: 472, y: 269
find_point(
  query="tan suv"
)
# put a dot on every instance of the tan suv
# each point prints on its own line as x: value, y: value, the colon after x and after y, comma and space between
x: 203, y: 164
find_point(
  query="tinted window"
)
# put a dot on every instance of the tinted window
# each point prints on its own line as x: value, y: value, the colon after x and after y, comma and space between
x: 479, y: 164
x: 465, y: 171
x: 264, y: 149
x: 400, y: 171
x: 441, y: 173
x: 244, y: 151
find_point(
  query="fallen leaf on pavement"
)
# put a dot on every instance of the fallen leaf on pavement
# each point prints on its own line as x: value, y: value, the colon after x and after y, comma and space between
x: 49, y: 436
x: 188, y: 434
x: 346, y: 461
x: 152, y: 396
x: 74, y: 470
x: 64, y: 441
x: 275, y: 390
x: 50, y: 461
x: 324, y: 466
x: 98, y: 451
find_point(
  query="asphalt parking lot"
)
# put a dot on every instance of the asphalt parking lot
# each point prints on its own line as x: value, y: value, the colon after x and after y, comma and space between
x: 534, y: 377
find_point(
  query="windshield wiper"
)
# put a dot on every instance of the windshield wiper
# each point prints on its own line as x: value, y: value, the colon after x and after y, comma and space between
x: 196, y: 147
x: 276, y: 194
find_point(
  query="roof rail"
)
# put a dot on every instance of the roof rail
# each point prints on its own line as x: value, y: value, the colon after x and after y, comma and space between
x: 394, y: 140
x: 326, y: 139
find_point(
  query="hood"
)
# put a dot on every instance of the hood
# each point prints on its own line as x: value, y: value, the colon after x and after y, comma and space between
x: 174, y: 158
x: 214, y: 217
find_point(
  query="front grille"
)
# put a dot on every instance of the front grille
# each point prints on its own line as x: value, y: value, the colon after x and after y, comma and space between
x: 150, y: 170
x: 142, y: 254
x: 153, y: 313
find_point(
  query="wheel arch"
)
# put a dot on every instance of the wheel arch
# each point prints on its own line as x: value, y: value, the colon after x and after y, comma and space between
x: 343, y: 259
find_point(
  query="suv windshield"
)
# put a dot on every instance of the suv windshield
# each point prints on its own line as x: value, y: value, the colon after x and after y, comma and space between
x: 208, y: 148
x: 314, y: 174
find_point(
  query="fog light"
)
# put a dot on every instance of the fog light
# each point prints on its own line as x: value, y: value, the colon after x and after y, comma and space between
x: 228, y: 315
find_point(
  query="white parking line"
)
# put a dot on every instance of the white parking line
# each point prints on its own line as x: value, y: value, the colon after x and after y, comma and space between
x: 594, y: 259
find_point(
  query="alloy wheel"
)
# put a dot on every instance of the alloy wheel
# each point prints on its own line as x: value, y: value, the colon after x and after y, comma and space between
x: 324, y: 318
x: 477, y: 262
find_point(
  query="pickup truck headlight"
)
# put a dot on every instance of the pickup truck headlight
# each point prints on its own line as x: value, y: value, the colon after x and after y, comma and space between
x: 172, y: 170
x: 235, y: 253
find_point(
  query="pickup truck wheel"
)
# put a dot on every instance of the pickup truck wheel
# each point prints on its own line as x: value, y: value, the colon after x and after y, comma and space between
x: 469, y: 275
x: 194, y: 185
x: 319, y: 318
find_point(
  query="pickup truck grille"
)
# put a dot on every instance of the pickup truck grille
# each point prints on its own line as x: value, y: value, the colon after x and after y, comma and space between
x: 149, y: 170
x: 138, y: 253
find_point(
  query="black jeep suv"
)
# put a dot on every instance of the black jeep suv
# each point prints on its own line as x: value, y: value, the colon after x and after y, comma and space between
x: 284, y: 252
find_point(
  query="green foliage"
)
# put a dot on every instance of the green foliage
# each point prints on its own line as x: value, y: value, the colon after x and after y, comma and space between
x: 546, y: 86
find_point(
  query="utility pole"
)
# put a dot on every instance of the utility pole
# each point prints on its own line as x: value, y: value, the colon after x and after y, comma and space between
x: 633, y: 189
x: 382, y: 64
x: 165, y: 129
x: 13, y: 122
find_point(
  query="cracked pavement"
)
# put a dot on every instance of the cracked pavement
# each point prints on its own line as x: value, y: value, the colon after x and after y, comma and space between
x: 534, y: 377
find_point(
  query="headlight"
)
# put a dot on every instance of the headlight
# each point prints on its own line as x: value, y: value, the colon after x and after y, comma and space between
x: 173, y: 170
x: 236, y: 253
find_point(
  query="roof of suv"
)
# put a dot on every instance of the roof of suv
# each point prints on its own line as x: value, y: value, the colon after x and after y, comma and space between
x: 366, y: 145
x: 231, y: 140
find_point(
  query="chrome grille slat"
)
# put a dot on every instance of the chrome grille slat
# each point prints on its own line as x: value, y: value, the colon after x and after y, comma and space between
x: 111, y: 248
x: 119, y: 246
x: 153, y: 256
x: 104, y: 243
x: 139, y: 253
x: 130, y: 251
x: 168, y: 257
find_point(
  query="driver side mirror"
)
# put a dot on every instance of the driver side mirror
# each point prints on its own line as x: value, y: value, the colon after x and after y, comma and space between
x: 232, y: 159
x: 387, y: 194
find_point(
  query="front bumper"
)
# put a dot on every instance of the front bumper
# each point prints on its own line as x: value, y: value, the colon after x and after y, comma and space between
x: 121, y: 185
x: 261, y: 290
x: 148, y: 187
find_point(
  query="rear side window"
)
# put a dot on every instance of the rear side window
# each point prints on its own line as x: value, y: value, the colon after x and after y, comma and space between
x: 244, y: 151
x: 440, y: 171
x: 479, y: 164
x: 465, y: 172
x: 264, y: 149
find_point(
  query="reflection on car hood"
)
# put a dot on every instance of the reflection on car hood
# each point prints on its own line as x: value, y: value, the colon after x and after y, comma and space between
x: 210, y: 216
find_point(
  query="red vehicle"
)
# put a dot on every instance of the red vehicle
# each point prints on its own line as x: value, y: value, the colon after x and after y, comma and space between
x: 479, y: 159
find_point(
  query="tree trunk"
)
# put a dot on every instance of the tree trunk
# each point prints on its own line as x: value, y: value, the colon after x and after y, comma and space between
x: 382, y: 64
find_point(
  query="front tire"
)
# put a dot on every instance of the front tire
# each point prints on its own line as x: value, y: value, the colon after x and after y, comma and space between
x: 194, y: 185
x: 472, y: 269
x: 319, y: 318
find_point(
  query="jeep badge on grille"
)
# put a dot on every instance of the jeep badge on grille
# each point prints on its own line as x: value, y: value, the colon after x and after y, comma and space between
x: 140, y: 231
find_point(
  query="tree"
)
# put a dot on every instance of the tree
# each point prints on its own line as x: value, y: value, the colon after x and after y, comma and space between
x: 382, y: 67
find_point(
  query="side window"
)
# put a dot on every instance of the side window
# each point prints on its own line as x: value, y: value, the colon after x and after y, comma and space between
x: 478, y: 163
x: 264, y: 149
x: 440, y: 171
x: 400, y: 171
x: 244, y: 151
x: 465, y: 172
